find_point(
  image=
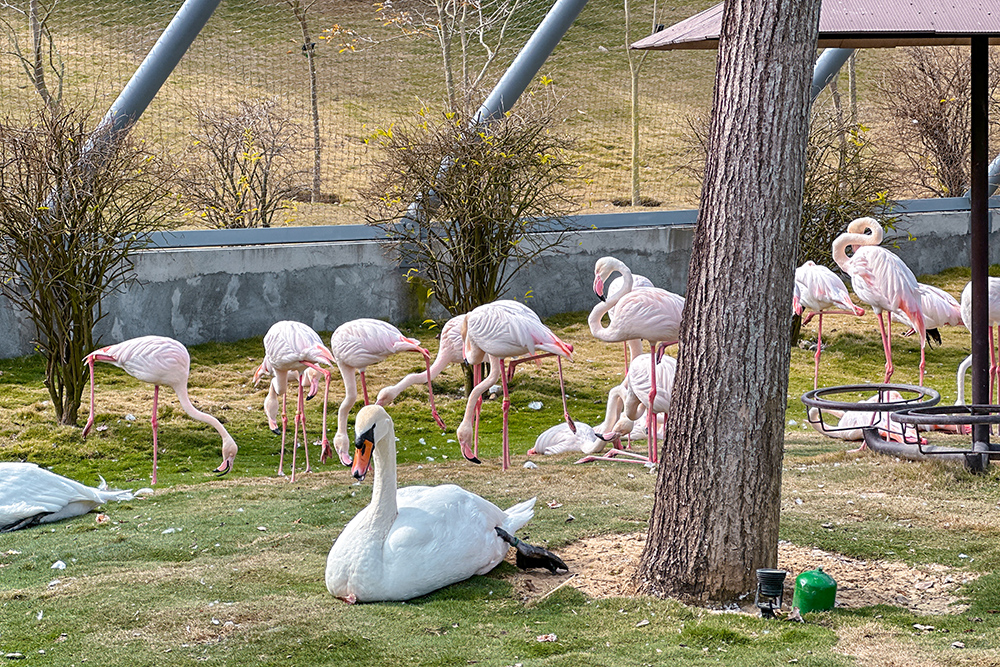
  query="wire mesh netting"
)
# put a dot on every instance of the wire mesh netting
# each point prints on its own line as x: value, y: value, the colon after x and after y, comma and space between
x: 376, y: 64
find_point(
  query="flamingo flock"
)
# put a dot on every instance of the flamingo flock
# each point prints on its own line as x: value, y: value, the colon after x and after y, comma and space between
x: 502, y: 334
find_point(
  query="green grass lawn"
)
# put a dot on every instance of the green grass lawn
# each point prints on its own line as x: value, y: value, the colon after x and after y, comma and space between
x: 225, y: 570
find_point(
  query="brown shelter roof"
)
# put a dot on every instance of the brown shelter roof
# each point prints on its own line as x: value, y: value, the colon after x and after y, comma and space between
x: 859, y: 24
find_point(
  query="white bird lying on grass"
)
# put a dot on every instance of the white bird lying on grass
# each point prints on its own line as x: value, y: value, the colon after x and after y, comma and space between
x: 30, y: 495
x: 411, y: 541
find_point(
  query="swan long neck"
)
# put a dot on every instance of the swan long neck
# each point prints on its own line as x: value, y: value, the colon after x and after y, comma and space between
x: 383, y: 501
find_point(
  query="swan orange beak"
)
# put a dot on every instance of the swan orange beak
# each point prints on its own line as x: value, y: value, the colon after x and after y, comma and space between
x: 363, y: 448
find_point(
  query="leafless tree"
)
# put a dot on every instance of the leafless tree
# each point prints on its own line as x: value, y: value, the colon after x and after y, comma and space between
x: 477, y: 28
x: 67, y: 230
x: 41, y: 55
x: 926, y: 95
x: 309, y: 51
x: 717, y: 497
x: 241, y: 165
x: 494, y: 190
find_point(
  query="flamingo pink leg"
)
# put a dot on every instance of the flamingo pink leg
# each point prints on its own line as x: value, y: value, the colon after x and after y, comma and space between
x: 300, y: 420
x: 505, y: 460
x: 886, y: 346
x: 650, y: 418
x: 364, y: 386
x: 284, y: 430
x: 627, y: 360
x: 155, y: 424
x: 819, y: 350
x: 90, y: 418
x: 477, y: 377
x: 430, y: 394
x: 994, y: 369
x: 326, y: 450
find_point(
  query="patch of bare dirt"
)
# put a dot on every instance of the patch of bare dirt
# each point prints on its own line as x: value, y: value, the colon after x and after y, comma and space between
x: 603, y: 567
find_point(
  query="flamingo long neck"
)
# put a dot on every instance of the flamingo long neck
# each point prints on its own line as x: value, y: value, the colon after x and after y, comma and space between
x: 596, y: 317
x: 195, y: 413
x: 383, y: 503
x: 856, y: 235
x: 614, y: 409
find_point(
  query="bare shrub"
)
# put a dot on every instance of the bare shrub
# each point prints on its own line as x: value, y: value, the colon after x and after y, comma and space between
x: 241, y: 166
x: 493, y: 187
x: 926, y: 95
x: 69, y: 220
x: 846, y: 178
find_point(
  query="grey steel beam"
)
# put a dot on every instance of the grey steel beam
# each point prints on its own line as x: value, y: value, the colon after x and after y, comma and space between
x: 158, y: 64
x: 530, y: 59
x: 827, y: 66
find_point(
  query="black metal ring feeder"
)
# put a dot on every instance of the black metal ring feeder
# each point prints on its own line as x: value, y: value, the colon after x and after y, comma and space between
x: 913, y: 397
x: 976, y: 458
x: 921, y: 409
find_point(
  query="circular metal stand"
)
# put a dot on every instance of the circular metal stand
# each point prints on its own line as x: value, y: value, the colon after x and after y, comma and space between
x: 912, y: 396
x: 977, y: 458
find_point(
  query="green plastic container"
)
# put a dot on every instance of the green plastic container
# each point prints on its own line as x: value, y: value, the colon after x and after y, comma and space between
x: 814, y: 591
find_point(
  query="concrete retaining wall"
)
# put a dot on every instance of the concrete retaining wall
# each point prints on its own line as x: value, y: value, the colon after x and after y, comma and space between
x: 198, y: 294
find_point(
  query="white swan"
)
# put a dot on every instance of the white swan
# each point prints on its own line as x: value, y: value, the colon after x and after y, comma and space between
x: 30, y: 495
x: 411, y: 541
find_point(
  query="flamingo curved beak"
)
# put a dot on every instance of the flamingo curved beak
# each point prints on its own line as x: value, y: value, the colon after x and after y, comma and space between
x: 224, y: 468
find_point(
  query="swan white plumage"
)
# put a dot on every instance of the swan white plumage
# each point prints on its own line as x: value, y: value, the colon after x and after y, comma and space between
x: 30, y: 495
x: 411, y: 541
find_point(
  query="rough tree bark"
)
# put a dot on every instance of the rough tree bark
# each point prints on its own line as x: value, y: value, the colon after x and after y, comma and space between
x: 716, y: 505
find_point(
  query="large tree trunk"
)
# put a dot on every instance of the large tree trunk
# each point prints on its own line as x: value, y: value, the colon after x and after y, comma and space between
x: 715, y: 512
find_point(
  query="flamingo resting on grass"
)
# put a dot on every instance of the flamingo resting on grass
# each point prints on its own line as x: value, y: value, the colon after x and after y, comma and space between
x: 820, y: 291
x: 649, y: 313
x: 881, y: 280
x: 408, y: 542
x: 636, y: 401
x: 498, y: 331
x: 159, y: 360
x: 293, y: 346
x: 358, y: 344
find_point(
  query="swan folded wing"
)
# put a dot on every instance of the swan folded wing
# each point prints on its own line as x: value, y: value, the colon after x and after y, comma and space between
x: 34, y: 493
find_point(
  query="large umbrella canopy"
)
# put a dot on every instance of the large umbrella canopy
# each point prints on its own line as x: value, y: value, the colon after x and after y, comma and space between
x: 859, y: 24
x: 888, y: 23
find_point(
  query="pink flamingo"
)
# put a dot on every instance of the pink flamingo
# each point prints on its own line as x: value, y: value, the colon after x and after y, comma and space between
x: 821, y: 291
x: 603, y: 268
x: 358, y: 344
x: 649, y: 313
x: 449, y: 352
x: 159, y: 361
x: 498, y: 331
x: 636, y: 402
x: 293, y: 346
x: 881, y: 280
x: 939, y: 308
x: 993, y: 321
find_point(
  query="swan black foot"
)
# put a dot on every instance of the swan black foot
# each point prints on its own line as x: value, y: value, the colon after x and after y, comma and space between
x: 529, y: 556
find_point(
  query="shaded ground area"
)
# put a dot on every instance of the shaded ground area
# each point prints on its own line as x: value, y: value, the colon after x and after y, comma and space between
x: 603, y: 567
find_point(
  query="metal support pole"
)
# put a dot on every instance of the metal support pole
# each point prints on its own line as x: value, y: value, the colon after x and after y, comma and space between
x: 158, y: 64
x: 530, y: 59
x: 514, y: 81
x: 979, y: 231
x: 827, y: 66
